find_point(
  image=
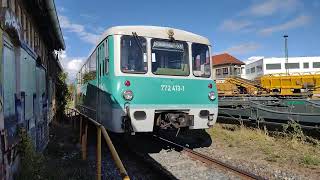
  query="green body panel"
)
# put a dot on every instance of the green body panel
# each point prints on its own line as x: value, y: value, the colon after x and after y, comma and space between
x: 148, y: 91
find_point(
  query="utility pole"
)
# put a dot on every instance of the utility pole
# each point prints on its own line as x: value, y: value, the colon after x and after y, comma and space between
x: 286, y: 52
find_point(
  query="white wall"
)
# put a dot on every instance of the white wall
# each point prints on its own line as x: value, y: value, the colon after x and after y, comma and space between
x: 265, y: 61
x: 252, y: 69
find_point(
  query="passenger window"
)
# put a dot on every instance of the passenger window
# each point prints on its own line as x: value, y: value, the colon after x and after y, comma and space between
x: 98, y: 64
x: 106, y: 60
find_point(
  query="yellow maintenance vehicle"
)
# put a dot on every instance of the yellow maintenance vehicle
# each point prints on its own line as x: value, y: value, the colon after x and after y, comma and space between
x: 296, y: 84
x: 293, y: 84
x: 234, y: 85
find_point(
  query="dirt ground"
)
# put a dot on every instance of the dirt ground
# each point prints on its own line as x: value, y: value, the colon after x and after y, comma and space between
x: 63, y: 157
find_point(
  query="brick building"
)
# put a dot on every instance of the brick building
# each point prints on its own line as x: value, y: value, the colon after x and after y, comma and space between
x: 225, y: 65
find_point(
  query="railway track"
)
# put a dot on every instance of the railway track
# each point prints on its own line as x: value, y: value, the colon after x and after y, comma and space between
x: 133, y: 158
x: 210, y: 161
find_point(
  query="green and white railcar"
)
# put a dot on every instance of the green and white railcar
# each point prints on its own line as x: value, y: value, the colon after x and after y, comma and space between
x: 140, y: 78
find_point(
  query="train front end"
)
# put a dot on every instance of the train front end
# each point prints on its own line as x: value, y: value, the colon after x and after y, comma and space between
x: 164, y: 82
x: 167, y: 103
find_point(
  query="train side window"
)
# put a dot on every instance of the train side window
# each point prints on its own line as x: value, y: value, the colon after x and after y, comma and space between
x: 106, y: 60
x: 97, y: 63
x: 201, y: 60
x: 102, y: 60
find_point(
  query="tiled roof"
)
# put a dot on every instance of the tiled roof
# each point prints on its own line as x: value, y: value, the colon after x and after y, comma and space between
x: 225, y: 58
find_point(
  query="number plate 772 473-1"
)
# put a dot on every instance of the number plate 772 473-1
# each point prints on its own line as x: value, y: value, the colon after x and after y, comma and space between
x: 175, y: 88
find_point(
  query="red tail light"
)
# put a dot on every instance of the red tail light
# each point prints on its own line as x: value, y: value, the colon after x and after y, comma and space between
x: 210, y: 86
x: 127, y: 83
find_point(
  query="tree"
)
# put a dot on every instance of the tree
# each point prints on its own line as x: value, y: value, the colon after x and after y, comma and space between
x: 62, y: 94
x: 89, y: 76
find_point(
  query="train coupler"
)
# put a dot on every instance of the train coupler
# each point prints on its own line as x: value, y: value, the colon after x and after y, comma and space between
x: 174, y: 120
x: 126, y: 125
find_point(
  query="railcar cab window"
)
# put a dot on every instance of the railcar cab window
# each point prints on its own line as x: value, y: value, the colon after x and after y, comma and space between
x: 169, y: 57
x: 201, y: 60
x: 133, y: 54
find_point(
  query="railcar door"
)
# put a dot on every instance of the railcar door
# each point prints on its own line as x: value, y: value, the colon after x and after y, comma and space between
x: 102, y: 63
x: 100, y: 74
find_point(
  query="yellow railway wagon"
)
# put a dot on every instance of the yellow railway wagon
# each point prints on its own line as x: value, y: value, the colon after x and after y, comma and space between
x: 293, y: 84
x: 227, y: 89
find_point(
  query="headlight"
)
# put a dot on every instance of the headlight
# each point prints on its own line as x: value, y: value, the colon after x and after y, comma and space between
x: 127, y: 95
x: 212, y: 96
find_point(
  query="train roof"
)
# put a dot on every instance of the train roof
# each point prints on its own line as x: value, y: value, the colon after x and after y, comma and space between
x: 155, y: 32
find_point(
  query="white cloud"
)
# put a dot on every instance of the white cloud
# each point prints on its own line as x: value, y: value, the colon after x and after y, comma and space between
x: 234, y: 25
x: 71, y: 65
x: 62, y: 9
x: 242, y: 49
x: 252, y: 59
x: 294, y: 23
x: 79, y: 29
x: 270, y: 7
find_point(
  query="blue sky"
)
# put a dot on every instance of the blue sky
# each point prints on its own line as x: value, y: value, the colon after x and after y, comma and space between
x: 241, y: 28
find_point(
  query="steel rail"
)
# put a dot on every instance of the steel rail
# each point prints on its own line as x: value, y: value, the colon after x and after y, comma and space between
x: 211, y: 161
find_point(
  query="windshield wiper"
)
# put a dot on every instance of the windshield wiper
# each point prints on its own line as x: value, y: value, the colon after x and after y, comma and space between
x: 136, y: 38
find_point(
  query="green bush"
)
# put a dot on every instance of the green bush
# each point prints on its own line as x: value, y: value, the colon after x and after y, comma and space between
x: 294, y: 130
x: 62, y: 95
x: 89, y: 76
x: 31, y: 162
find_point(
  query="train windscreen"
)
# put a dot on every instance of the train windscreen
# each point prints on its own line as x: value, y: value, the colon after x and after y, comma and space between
x: 133, y: 54
x: 169, y: 57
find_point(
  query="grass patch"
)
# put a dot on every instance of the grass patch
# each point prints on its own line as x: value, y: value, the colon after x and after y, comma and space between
x: 311, y: 160
x: 291, y: 147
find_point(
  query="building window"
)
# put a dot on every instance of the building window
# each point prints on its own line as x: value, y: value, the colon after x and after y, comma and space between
x: 24, y: 26
x: 29, y: 32
x: 253, y: 70
x: 306, y: 65
x: 35, y: 40
x: 247, y: 71
x: 225, y: 70
x: 31, y: 36
x: 273, y: 66
x: 4, y: 3
x: 17, y: 9
x: 218, y: 72
x: 292, y: 65
x: 12, y: 5
x: 259, y: 68
x: 316, y: 64
x: 27, y: 29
